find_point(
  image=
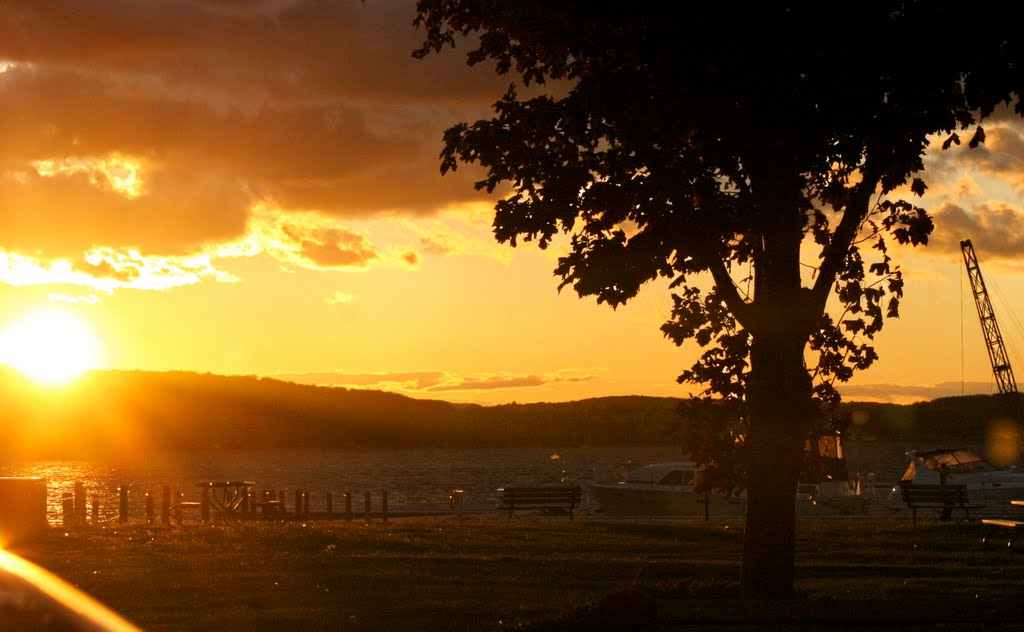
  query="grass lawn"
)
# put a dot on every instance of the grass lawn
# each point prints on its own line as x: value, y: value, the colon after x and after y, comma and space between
x: 485, y: 574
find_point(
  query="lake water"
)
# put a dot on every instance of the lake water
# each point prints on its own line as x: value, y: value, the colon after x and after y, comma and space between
x: 417, y: 480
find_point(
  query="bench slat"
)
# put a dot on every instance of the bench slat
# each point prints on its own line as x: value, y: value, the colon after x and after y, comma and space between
x: 513, y: 498
x: 946, y: 497
x: 1012, y: 524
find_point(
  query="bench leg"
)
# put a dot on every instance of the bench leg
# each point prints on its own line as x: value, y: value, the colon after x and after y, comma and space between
x: 992, y: 529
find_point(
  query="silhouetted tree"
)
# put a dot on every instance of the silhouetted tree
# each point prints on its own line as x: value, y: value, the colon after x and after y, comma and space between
x: 753, y: 154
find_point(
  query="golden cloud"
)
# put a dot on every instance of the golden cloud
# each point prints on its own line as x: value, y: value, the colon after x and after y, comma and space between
x: 158, y: 129
x: 106, y: 270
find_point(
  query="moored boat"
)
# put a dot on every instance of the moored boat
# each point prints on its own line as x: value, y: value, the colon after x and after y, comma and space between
x: 670, y: 489
x: 988, y: 487
x: 662, y: 489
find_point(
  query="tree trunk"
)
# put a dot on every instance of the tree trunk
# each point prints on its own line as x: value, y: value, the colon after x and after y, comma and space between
x: 779, y: 390
x: 780, y: 408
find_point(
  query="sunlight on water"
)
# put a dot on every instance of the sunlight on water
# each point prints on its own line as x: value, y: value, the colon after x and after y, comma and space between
x: 417, y: 480
x: 60, y: 479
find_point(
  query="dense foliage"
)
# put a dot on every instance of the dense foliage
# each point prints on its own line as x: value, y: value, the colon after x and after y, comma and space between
x: 755, y: 156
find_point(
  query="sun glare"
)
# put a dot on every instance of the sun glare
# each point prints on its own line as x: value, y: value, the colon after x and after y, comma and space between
x: 50, y: 346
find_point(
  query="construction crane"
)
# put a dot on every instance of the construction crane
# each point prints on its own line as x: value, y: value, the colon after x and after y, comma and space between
x: 993, y: 339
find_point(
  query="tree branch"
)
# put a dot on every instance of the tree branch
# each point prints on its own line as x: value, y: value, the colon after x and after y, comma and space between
x: 842, y: 239
x: 728, y: 291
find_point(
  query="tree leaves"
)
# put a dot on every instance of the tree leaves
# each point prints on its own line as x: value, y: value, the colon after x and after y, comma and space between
x: 718, y: 160
x: 978, y: 138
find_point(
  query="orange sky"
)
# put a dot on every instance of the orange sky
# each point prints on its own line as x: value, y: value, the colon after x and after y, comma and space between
x: 253, y: 188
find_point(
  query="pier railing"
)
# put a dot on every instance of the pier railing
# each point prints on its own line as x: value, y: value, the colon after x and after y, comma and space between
x: 172, y: 506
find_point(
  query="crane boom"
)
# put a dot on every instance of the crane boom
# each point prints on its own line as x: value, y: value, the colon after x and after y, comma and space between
x: 993, y: 339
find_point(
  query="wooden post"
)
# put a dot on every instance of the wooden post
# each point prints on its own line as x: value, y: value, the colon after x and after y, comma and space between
x: 384, y: 505
x: 305, y: 503
x: 455, y: 502
x: 298, y: 504
x: 366, y: 507
x: 282, y: 497
x: 246, y: 500
x: 67, y: 508
x: 150, y: 508
x: 165, y: 505
x: 330, y: 504
x: 95, y: 509
x: 122, y: 504
x: 80, y: 502
x: 178, y: 497
x: 205, y: 505
x: 348, y: 506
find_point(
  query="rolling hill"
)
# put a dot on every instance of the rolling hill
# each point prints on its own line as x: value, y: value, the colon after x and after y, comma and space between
x: 110, y: 412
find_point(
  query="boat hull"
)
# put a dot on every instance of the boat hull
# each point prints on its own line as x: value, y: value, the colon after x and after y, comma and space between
x: 624, y: 499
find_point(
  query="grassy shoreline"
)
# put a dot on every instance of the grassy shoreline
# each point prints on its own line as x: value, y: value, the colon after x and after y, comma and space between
x: 483, y: 573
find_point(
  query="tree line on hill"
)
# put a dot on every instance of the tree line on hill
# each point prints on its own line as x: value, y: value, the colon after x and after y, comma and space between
x: 135, y: 412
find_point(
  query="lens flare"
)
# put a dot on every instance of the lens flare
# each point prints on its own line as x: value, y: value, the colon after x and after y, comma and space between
x: 50, y: 346
x: 1003, y: 441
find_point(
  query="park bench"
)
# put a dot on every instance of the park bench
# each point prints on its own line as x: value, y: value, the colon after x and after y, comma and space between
x: 945, y: 498
x: 177, y: 509
x: 995, y: 524
x: 269, y: 506
x: 559, y: 498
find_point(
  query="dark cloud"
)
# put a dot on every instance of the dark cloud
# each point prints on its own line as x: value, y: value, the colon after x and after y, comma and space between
x: 489, y: 383
x: 420, y: 380
x: 434, y: 246
x: 300, y: 51
x: 306, y: 105
x: 1000, y: 156
x: 903, y: 394
x: 504, y: 381
x: 426, y: 381
x: 995, y: 229
x: 411, y: 258
x: 105, y: 269
x: 332, y: 247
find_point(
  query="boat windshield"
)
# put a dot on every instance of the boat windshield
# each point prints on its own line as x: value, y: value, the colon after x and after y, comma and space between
x: 677, y: 477
x: 956, y: 461
x: 908, y: 474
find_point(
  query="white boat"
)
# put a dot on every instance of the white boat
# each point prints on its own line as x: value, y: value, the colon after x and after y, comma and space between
x: 668, y: 489
x: 662, y: 489
x: 987, y: 485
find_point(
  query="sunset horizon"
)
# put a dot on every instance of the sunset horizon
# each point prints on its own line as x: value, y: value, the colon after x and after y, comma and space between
x: 234, y: 204
x: 456, y: 314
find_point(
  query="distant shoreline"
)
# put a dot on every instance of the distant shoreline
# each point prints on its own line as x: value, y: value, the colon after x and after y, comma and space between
x: 144, y: 411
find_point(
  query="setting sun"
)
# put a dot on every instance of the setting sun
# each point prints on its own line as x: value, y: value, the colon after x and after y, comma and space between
x: 50, y: 346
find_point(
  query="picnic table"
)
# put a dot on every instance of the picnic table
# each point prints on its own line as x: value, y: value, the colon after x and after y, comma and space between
x: 226, y: 496
x: 995, y: 523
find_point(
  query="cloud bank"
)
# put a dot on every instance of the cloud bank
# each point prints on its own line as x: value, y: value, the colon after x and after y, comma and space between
x: 159, y: 129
